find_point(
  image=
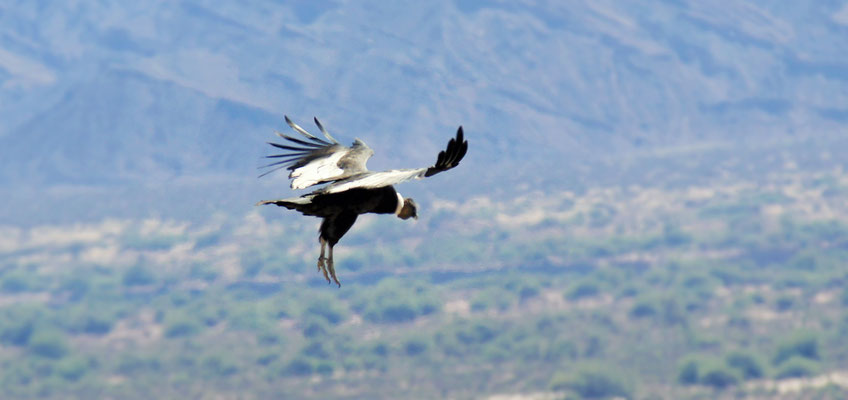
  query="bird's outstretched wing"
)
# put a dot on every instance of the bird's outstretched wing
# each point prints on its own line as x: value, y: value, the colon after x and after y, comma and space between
x: 313, y: 160
x: 447, y: 159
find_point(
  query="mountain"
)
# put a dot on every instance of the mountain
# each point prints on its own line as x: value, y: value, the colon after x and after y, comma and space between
x: 105, y: 94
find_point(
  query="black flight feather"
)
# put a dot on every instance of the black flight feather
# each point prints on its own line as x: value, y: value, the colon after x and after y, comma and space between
x: 324, y: 131
x: 299, y: 141
x: 292, y: 148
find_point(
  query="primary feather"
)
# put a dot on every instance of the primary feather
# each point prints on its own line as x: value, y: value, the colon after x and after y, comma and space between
x: 314, y: 161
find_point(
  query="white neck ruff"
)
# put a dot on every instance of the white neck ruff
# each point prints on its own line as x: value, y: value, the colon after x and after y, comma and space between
x: 400, y: 204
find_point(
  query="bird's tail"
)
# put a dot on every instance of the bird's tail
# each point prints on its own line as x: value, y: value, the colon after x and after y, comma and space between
x: 291, y: 203
x: 302, y: 204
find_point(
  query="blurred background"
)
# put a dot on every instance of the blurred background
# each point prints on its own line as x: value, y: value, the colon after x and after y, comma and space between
x: 653, y: 204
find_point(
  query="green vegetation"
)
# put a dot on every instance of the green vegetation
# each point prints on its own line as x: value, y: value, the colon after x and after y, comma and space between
x: 746, y: 363
x: 592, y: 382
x: 802, y: 345
x: 583, y: 289
x: 797, y: 367
x: 391, y: 303
x: 614, y: 295
x: 47, y: 344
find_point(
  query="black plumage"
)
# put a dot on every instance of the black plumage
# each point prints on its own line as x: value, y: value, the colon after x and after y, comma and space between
x: 351, y: 188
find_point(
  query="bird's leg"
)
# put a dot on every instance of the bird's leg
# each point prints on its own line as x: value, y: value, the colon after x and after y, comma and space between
x: 321, y: 259
x: 332, y: 268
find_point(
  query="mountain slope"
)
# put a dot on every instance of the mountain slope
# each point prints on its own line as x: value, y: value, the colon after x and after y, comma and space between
x: 111, y: 92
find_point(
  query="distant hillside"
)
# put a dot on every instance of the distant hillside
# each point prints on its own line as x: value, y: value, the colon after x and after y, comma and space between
x: 110, y: 92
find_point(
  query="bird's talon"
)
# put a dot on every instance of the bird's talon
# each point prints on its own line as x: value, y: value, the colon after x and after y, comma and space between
x: 332, y: 269
x: 323, y: 268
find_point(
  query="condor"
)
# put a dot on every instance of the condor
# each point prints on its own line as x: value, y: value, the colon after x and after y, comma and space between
x: 351, y: 188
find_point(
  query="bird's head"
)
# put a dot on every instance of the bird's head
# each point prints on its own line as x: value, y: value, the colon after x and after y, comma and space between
x: 409, y: 209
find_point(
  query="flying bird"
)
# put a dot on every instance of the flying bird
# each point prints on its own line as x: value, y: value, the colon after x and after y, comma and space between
x: 351, y: 188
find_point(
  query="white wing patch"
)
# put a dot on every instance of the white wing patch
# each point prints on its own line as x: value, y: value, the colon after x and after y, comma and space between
x: 378, y: 179
x: 400, y: 203
x: 317, y: 171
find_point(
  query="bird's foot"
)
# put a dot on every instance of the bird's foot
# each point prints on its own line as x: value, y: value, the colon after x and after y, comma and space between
x: 323, y: 268
x: 333, y: 272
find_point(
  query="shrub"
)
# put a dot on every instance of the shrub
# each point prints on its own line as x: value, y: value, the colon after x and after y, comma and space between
x: 674, y: 236
x: 796, y: 367
x: 16, y: 282
x: 251, y: 264
x: 315, y: 349
x: 77, y: 287
x: 269, y: 337
x: 250, y: 317
x: 784, y: 303
x: 204, y: 272
x: 594, y: 346
x: 698, y: 281
x: 138, y: 275
x: 177, y: 325
x: 92, y: 322
x: 299, y: 366
x: 747, y: 364
x: 72, y: 368
x: 402, y: 311
x: 718, y: 376
x: 314, y: 326
x: 267, y: 358
x: 559, y: 349
x: 582, y: 290
x: 478, y: 332
x: 379, y: 349
x: 643, y: 309
x: 206, y: 312
x: 48, y: 344
x: 592, y: 382
x: 498, y: 351
x: 17, y: 333
x: 98, y: 325
x: 805, y: 345
x: 327, y: 308
x: 672, y: 313
x: 689, y: 371
x: 804, y: 262
x: 528, y: 291
x: 324, y: 368
x: 415, y: 346
x: 208, y: 239
x: 391, y: 303
x: 601, y: 215
x: 129, y: 364
x: 152, y: 242
x: 219, y: 365
x: 628, y: 291
x: 374, y: 362
x: 492, y: 297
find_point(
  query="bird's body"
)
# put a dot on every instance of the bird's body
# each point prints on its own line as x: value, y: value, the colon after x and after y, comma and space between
x: 352, y: 189
x: 340, y: 210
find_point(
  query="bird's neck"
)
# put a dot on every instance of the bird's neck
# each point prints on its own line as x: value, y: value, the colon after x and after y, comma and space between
x: 399, y: 204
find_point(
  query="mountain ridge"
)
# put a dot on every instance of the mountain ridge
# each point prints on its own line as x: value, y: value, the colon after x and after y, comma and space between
x: 111, y: 93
